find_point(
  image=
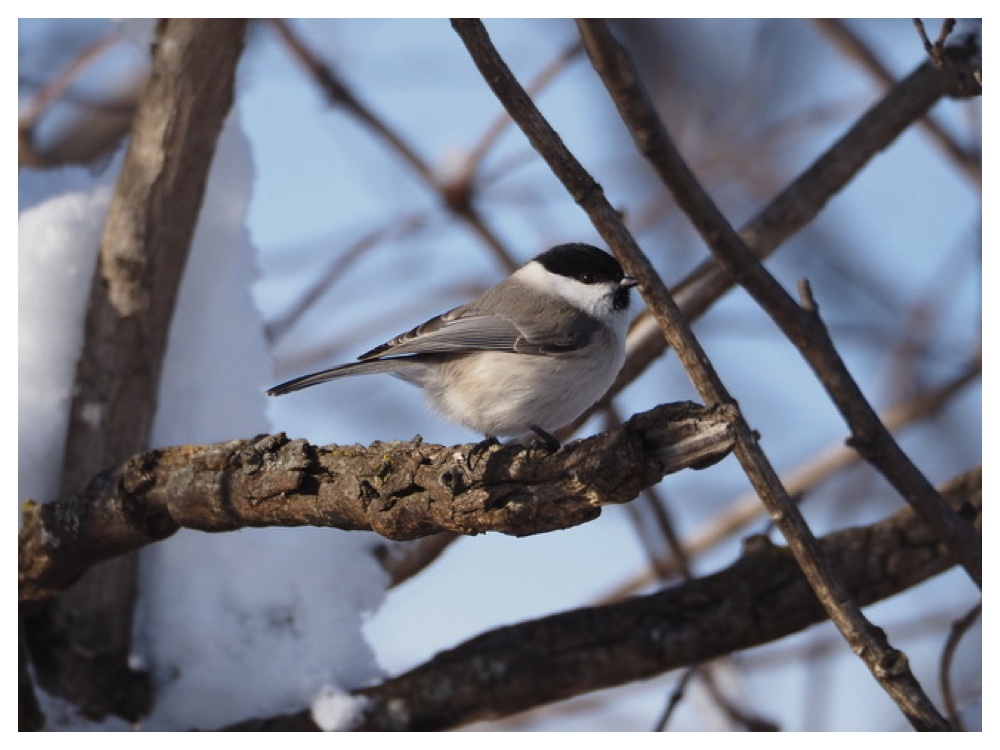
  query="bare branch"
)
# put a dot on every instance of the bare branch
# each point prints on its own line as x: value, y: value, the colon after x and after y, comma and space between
x: 809, y: 475
x: 83, y: 639
x: 336, y: 270
x: 760, y: 598
x: 801, y: 324
x: 969, y: 163
x: 857, y: 630
x: 958, y: 629
x: 793, y: 208
x: 938, y: 52
x: 399, y: 490
x: 675, y: 698
x: 804, y: 328
x: 99, y: 127
x: 503, y: 121
x: 29, y: 716
x: 403, y: 561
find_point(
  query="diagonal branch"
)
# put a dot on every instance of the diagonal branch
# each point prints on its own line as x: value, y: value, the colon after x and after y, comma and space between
x: 760, y: 598
x: 800, y: 323
x: 801, y: 479
x: 804, y: 328
x: 968, y: 162
x: 794, y: 207
x: 863, y: 637
x: 401, y: 490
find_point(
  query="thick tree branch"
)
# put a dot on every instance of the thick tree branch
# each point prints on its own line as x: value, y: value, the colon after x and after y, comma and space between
x: 150, y: 223
x: 760, y: 598
x: 399, y: 490
x: 82, y: 641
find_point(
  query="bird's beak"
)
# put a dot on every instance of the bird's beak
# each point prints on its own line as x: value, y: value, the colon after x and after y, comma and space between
x: 628, y: 282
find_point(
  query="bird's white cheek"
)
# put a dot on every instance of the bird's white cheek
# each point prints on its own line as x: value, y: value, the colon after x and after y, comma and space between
x: 586, y: 297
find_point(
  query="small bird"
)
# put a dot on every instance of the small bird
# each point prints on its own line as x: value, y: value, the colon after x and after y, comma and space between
x: 526, y: 357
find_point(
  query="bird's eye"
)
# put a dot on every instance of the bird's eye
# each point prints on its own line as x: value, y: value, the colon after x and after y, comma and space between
x: 587, y: 278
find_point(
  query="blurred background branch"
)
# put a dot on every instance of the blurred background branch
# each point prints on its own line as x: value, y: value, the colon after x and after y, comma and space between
x: 82, y: 641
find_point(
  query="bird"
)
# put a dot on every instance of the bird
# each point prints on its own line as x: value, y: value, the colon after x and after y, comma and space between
x: 523, y: 359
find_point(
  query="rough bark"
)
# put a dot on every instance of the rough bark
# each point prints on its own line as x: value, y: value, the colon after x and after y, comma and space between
x: 402, y: 490
x: 81, y: 641
x: 760, y: 598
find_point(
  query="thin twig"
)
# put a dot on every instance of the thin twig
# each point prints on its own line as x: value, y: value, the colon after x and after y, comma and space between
x: 455, y: 195
x: 966, y: 82
x: 958, y: 629
x: 60, y: 84
x: 970, y: 164
x: 96, y: 128
x: 751, y: 722
x: 675, y: 698
x: 936, y: 49
x: 403, y: 560
x: 335, y: 270
x: 651, y: 504
x: 503, y: 121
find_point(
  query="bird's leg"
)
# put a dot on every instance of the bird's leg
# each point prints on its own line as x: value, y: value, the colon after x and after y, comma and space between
x: 550, y: 442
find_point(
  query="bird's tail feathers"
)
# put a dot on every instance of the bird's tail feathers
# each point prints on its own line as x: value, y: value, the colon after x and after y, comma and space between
x: 370, y: 367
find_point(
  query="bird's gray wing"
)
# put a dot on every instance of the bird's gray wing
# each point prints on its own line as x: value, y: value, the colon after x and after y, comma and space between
x: 464, y: 330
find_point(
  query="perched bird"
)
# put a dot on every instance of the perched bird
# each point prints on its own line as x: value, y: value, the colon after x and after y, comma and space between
x: 528, y: 355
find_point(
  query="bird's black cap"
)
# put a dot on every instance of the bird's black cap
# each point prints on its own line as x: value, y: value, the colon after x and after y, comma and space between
x: 582, y: 262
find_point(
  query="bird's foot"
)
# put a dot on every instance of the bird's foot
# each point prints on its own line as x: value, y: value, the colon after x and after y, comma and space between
x: 551, y: 444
